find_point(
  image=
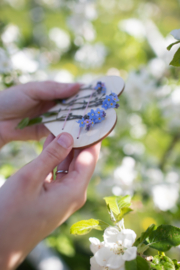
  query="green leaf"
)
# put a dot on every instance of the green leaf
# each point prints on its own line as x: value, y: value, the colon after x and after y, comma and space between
x: 131, y: 265
x: 116, y: 203
x: 164, y: 237
x: 142, y: 264
x: 49, y: 114
x: 162, y: 263
x: 139, y: 243
x: 176, y: 59
x: 138, y: 264
x: 24, y: 122
x: 85, y: 226
x: 124, y: 211
x: 172, y: 44
x: 34, y: 121
x: 176, y: 264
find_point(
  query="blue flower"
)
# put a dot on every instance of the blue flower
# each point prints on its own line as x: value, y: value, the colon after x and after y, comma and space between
x: 81, y: 122
x: 100, y: 87
x: 114, y: 97
x: 109, y: 98
x: 99, y: 119
x: 112, y: 104
x: 105, y: 104
x: 92, y: 123
x: 92, y: 114
x: 99, y: 112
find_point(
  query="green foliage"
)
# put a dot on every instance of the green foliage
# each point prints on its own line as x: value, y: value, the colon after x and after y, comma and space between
x: 85, y: 226
x: 176, y: 59
x: 118, y: 206
x: 29, y: 122
x: 162, y: 263
x: 172, y: 44
x: 164, y: 237
x: 49, y: 114
x: 24, y: 122
x: 34, y: 121
x: 141, y: 246
x: 138, y: 264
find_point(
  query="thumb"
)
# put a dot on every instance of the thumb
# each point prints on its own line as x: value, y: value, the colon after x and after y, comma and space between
x: 52, y: 155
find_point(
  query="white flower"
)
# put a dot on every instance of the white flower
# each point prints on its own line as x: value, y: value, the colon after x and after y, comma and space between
x: 176, y: 33
x: 95, y: 244
x: 5, y: 63
x: 115, y: 250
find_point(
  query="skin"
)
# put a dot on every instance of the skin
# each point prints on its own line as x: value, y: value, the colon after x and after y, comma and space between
x: 32, y: 204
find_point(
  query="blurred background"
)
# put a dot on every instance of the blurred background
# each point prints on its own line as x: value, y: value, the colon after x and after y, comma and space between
x: 80, y: 40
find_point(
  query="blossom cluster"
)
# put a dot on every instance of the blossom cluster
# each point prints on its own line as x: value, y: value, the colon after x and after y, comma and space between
x: 110, y: 101
x: 100, y: 87
x: 92, y: 118
x: 115, y: 250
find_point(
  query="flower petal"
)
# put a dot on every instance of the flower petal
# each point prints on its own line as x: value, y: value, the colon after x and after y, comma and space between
x: 95, y: 244
x: 110, y: 235
x: 103, y: 255
x: 126, y: 238
x: 94, y: 265
x: 115, y: 261
x: 130, y: 254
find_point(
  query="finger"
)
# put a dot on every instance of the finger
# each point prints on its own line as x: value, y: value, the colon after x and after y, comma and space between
x: 50, y: 157
x: 85, y: 163
x: 49, y: 90
x: 74, y: 185
x: 48, y: 140
x: 64, y: 165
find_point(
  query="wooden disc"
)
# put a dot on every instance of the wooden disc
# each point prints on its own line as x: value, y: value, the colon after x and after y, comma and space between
x: 99, y: 131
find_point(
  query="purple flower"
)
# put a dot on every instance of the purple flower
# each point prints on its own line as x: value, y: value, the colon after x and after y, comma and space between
x: 81, y: 122
x: 88, y: 123
x: 117, y: 106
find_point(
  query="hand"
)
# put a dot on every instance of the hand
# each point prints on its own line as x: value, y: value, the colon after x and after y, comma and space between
x: 29, y: 100
x: 32, y: 204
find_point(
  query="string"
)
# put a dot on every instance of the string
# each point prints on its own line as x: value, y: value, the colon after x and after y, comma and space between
x: 68, y: 113
x: 85, y: 113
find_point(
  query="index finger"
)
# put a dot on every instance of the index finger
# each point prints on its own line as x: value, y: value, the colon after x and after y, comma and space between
x: 49, y: 90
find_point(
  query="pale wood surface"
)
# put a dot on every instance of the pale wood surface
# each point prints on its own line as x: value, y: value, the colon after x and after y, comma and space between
x: 100, y: 130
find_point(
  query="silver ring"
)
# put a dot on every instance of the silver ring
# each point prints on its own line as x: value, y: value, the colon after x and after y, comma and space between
x: 62, y: 171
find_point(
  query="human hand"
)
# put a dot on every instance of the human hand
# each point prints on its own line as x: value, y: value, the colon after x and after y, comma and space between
x: 32, y: 204
x: 29, y: 100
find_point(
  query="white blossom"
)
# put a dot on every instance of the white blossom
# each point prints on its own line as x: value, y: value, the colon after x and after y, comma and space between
x: 176, y: 33
x: 165, y: 196
x: 115, y: 250
x: 5, y: 63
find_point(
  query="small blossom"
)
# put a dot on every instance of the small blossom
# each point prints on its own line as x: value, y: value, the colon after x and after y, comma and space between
x: 92, y: 114
x: 81, y: 122
x: 100, y: 87
x: 105, y: 105
x: 99, y: 112
x: 114, y: 97
x: 117, y: 106
x: 88, y: 123
x: 99, y: 119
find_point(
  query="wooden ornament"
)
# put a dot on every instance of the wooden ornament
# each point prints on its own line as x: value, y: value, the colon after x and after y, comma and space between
x: 99, y: 131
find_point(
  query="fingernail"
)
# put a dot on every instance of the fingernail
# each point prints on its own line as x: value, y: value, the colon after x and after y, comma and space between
x: 65, y: 140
